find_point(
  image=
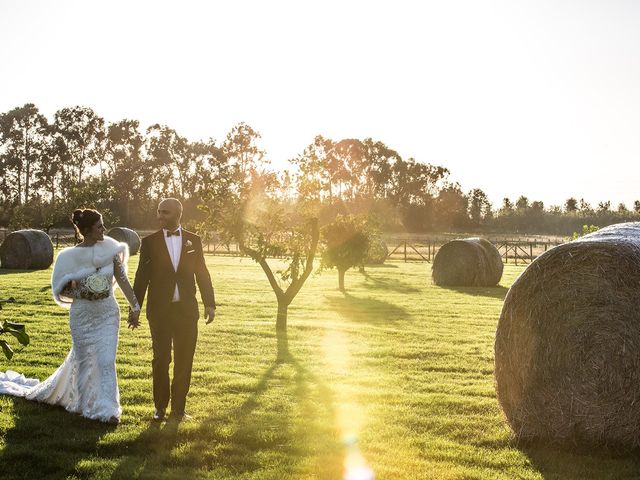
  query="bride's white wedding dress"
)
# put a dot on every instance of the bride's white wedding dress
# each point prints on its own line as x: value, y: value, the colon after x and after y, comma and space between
x: 86, y: 382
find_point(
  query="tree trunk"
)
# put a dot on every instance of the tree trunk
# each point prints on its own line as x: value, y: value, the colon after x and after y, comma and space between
x: 341, y: 279
x: 281, y: 319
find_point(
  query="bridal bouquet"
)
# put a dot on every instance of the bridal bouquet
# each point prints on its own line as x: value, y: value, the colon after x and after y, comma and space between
x: 96, y: 283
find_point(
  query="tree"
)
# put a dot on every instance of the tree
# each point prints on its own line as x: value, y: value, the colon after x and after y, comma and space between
x: 507, y: 207
x: 636, y: 206
x: 250, y: 213
x: 571, y: 205
x: 243, y: 155
x: 585, y: 207
x: 604, y: 207
x: 126, y: 167
x: 23, y: 136
x: 289, y: 240
x: 312, y: 179
x: 83, y: 133
x: 346, y: 244
x: 522, y: 204
x: 537, y: 206
x: 479, y: 205
x: 451, y: 207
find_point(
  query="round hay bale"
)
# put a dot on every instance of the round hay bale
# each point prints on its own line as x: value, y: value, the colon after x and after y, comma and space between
x: 377, y: 252
x: 128, y: 236
x: 468, y: 262
x: 26, y: 250
x: 567, y: 347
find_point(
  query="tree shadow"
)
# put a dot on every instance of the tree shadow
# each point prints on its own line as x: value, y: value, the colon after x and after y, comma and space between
x: 555, y: 462
x: 152, y: 446
x: 379, y: 265
x: 285, y: 418
x: 399, y: 286
x: 47, y: 441
x: 9, y: 271
x: 366, y: 310
x: 498, y: 292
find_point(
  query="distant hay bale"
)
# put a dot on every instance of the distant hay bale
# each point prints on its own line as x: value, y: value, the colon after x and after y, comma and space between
x: 126, y: 235
x: 377, y: 252
x: 26, y: 250
x: 567, y: 347
x: 468, y: 262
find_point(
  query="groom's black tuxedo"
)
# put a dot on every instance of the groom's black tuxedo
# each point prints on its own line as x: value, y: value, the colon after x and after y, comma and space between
x: 172, y: 322
x: 156, y: 272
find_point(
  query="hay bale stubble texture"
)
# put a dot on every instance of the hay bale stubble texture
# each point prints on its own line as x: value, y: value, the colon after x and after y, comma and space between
x: 26, y: 250
x: 567, y: 348
x: 128, y: 236
x: 468, y: 262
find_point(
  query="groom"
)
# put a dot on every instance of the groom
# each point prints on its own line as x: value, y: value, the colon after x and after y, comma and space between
x: 171, y: 262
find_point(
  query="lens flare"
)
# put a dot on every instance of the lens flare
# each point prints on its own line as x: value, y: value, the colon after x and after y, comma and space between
x: 349, y: 414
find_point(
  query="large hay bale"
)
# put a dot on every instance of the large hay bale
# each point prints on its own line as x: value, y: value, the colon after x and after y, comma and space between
x: 467, y: 262
x: 377, y: 252
x: 126, y: 235
x: 26, y: 250
x: 567, y: 348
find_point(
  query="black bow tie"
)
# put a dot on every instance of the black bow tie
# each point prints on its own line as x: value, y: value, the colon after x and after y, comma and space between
x: 176, y: 233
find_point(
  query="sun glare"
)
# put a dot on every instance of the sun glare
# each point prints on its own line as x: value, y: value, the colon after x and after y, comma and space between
x: 350, y: 415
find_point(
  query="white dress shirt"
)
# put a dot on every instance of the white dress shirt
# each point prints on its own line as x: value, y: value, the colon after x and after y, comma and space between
x: 174, y: 246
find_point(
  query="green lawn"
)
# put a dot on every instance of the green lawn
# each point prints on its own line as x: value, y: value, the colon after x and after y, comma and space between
x: 395, y: 376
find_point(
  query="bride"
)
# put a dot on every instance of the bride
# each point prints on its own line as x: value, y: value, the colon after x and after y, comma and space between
x: 83, y: 280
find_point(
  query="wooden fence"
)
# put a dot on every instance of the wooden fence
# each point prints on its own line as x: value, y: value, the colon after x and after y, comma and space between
x: 513, y: 249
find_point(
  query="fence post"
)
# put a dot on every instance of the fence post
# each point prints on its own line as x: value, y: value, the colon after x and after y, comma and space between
x: 405, y: 251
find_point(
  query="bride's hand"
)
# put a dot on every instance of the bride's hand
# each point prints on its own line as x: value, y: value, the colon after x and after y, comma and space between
x: 134, y: 319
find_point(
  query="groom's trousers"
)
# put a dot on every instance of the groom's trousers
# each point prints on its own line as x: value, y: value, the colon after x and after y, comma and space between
x: 173, y: 327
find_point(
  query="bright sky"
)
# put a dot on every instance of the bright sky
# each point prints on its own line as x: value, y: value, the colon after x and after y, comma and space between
x: 540, y: 98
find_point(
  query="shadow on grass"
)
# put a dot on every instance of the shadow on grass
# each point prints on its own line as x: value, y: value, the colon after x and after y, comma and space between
x: 47, y: 441
x: 553, y: 462
x: 286, y: 418
x: 375, y: 266
x: 399, y: 286
x: 367, y: 310
x: 498, y: 292
x: 8, y: 271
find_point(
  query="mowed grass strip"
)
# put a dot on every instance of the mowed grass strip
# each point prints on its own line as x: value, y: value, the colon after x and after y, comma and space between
x: 395, y: 376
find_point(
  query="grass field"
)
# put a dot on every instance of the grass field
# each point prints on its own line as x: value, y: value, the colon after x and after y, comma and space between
x: 396, y: 376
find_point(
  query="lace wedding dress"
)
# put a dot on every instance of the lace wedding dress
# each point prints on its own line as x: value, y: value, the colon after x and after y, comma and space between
x: 86, y: 382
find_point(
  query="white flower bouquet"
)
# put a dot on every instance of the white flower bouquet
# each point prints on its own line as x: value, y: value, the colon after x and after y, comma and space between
x: 96, y: 283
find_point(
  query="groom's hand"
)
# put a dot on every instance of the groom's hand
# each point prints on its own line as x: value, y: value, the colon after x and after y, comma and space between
x: 209, y: 314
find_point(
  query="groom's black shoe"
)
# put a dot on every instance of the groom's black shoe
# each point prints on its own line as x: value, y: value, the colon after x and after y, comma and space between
x: 158, y: 416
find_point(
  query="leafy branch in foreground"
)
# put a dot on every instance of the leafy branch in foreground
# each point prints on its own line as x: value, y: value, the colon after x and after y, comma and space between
x: 12, y: 328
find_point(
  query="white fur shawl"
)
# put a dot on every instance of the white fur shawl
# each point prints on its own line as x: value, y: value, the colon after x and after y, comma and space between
x: 76, y: 263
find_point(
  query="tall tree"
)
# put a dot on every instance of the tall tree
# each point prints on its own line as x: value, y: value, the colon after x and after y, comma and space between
x: 312, y: 177
x: 23, y: 138
x: 84, y: 135
x: 479, y: 205
x: 571, y: 205
x: 126, y: 166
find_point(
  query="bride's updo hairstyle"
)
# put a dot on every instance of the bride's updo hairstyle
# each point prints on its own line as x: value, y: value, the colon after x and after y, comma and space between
x: 83, y: 219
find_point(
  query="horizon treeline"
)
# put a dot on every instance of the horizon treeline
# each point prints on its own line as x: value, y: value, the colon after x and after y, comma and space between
x: 47, y: 169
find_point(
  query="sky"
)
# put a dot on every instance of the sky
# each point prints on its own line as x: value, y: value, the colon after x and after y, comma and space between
x: 536, y: 98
